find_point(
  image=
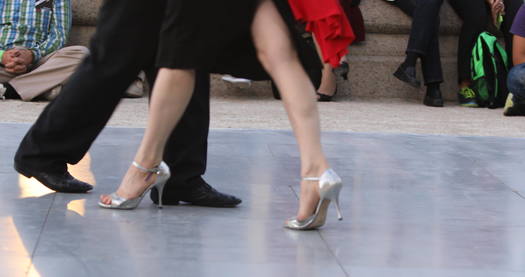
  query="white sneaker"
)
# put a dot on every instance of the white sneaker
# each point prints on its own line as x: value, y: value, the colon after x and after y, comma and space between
x: 3, y: 89
x: 240, y: 82
x: 52, y: 94
x: 136, y: 90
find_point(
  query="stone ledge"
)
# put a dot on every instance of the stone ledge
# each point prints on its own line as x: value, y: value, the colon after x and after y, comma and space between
x: 380, y: 17
x: 395, y: 45
x: 85, y: 12
x: 372, y: 77
x: 80, y: 35
x: 372, y: 62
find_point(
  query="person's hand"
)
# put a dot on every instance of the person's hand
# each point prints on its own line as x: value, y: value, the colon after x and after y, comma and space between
x: 497, y: 8
x: 7, y: 57
x: 17, y: 61
x: 25, y: 55
x: 15, y: 68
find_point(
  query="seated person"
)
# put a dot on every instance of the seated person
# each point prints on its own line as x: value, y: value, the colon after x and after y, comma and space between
x: 32, y: 34
x: 516, y: 79
x: 424, y: 42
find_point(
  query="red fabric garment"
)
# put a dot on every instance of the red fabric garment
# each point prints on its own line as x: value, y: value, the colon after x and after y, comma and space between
x: 329, y: 24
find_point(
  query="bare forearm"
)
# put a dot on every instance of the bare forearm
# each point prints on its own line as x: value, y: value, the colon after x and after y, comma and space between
x: 518, y: 50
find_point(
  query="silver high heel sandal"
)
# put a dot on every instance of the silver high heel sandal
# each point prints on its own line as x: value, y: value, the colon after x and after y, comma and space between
x: 163, y: 174
x: 329, y: 188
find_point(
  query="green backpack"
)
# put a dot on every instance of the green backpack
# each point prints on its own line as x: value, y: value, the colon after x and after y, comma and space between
x: 489, y: 69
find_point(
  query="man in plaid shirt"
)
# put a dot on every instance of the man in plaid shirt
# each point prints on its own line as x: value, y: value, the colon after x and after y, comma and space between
x: 32, y: 34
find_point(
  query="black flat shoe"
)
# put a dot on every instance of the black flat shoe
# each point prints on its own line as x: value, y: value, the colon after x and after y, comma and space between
x: 433, y: 98
x: 407, y: 74
x: 325, y: 97
x: 198, y: 193
x: 342, y: 70
x: 59, y: 182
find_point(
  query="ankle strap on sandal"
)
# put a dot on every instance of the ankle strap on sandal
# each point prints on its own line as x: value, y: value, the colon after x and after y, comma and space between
x: 329, y: 171
x: 155, y: 169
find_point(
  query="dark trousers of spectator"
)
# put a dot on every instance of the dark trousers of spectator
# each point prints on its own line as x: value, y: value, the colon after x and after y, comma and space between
x: 424, y: 35
x: 516, y: 83
x: 476, y: 17
x: 124, y: 44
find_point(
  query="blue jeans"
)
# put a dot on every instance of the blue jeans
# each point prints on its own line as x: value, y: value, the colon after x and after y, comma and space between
x: 516, y: 83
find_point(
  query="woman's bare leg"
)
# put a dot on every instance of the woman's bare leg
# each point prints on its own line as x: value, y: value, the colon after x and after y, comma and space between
x: 171, y: 94
x: 328, y: 84
x: 278, y: 56
x: 328, y: 81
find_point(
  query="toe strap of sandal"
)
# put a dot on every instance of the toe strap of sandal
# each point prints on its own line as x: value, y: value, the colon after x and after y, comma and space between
x: 117, y: 200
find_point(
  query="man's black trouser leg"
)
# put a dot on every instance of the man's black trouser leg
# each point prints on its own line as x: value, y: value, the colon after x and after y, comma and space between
x: 125, y: 43
x: 424, y: 35
x: 425, y: 22
x: 431, y: 62
x: 187, y: 149
x: 475, y: 18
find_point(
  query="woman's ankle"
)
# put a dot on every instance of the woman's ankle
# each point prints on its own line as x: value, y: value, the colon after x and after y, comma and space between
x: 148, y: 159
x: 315, y: 170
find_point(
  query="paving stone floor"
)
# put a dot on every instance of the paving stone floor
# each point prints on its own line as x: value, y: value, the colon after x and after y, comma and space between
x: 414, y: 206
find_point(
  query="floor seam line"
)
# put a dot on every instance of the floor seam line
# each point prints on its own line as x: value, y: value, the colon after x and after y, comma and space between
x: 519, y: 194
x: 333, y: 254
x: 40, y: 234
x: 487, y: 169
x: 326, y: 243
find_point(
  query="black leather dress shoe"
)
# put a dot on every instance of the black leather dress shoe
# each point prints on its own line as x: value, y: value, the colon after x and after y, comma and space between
x: 407, y: 74
x: 199, y: 194
x: 59, y: 182
x: 433, y: 97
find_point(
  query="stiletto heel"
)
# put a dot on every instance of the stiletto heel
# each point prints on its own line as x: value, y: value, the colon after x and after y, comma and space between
x: 163, y: 174
x: 160, y: 191
x: 338, y: 209
x: 330, y: 186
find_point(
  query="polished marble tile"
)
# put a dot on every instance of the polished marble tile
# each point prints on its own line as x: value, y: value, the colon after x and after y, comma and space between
x: 414, y: 205
x: 119, y: 266
x: 429, y: 272
x: 437, y: 245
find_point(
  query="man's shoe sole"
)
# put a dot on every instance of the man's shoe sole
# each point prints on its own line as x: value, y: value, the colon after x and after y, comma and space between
x: 21, y: 171
x: 181, y: 202
x: 469, y: 105
x: 212, y: 205
x: 438, y: 103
